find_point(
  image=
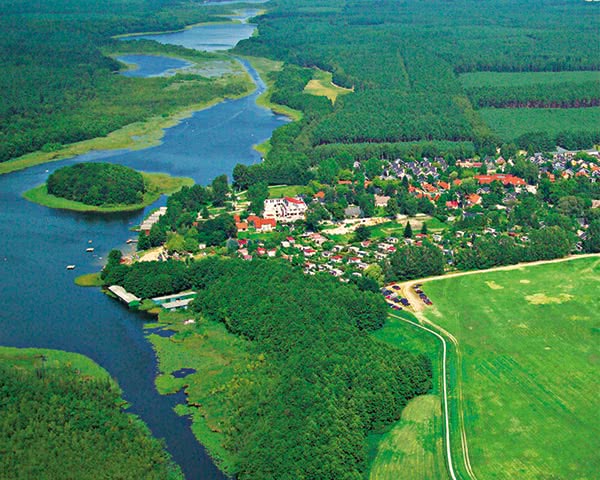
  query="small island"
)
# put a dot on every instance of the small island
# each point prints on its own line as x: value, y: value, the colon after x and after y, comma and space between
x: 103, y: 187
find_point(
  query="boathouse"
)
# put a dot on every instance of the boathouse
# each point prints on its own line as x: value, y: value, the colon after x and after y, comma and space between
x: 176, y: 301
x: 127, y: 298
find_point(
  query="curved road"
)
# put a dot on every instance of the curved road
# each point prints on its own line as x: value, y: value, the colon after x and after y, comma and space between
x: 418, y: 306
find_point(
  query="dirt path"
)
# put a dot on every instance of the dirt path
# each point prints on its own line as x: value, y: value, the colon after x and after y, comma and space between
x: 406, y: 289
x: 418, y: 305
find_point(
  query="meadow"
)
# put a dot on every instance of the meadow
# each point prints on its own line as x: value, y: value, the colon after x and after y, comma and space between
x: 529, y: 350
x: 517, y: 79
x: 510, y: 123
x: 322, y: 85
x: 412, y: 448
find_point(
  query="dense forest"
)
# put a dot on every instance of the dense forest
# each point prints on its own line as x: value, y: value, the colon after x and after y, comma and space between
x: 322, y: 383
x: 403, y: 59
x: 97, y: 184
x: 56, y: 422
x: 58, y: 88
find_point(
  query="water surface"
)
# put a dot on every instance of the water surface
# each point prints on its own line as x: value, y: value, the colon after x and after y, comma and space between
x: 42, y: 307
x: 152, y: 65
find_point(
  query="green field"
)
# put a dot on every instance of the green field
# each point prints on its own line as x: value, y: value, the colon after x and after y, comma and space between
x: 529, y: 348
x: 412, y: 449
x: 510, y: 123
x: 506, y: 79
x: 157, y: 184
x: 322, y: 85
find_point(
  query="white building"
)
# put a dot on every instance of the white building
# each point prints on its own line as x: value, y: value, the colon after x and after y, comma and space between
x: 286, y: 209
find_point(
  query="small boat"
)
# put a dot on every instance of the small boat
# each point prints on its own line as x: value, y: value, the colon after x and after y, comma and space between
x: 70, y: 267
x: 89, y: 249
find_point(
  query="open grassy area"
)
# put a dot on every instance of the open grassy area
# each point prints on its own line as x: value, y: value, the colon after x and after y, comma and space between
x: 89, y: 280
x: 529, y: 349
x: 31, y: 358
x: 510, y: 123
x: 514, y: 79
x: 157, y: 184
x: 217, y: 356
x: 412, y: 448
x: 322, y: 85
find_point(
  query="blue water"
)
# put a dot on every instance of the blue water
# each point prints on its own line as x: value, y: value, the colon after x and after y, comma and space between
x: 42, y: 307
x: 151, y: 65
x: 209, y: 38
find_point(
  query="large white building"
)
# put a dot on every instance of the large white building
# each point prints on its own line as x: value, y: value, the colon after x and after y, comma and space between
x: 286, y: 209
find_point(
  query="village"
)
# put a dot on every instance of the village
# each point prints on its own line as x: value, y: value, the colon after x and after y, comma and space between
x: 351, y: 227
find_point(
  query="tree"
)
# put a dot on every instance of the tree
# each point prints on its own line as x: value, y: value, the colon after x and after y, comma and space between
x: 220, y: 189
x: 257, y: 194
x: 241, y: 176
x: 392, y: 209
x: 592, y: 239
x: 375, y: 272
x: 362, y: 233
x: 205, y: 213
x: 424, y: 228
x: 408, y: 233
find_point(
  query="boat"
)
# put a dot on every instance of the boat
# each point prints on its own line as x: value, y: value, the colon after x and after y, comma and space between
x: 131, y: 240
x: 70, y: 267
x: 90, y: 249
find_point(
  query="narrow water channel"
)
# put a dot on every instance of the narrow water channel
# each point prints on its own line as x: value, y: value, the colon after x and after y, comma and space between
x: 42, y: 307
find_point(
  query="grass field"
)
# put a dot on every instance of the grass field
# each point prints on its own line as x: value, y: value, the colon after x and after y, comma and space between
x: 89, y: 280
x: 322, y: 85
x: 411, y: 449
x: 530, y: 351
x: 510, y: 123
x: 30, y: 358
x: 157, y: 184
x: 216, y: 355
x: 505, y: 79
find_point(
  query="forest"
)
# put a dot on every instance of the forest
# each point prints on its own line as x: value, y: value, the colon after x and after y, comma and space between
x: 321, y: 384
x: 404, y: 59
x: 59, y: 88
x: 97, y: 184
x: 60, y: 422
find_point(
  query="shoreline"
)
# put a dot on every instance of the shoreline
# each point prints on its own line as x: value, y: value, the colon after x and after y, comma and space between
x: 134, y: 136
x: 153, y: 181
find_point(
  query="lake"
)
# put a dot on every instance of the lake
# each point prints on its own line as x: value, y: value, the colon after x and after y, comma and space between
x: 42, y: 307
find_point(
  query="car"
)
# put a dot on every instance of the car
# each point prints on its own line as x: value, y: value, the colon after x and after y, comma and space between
x: 396, y: 287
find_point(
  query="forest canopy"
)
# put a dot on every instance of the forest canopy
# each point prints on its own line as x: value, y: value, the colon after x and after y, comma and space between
x: 97, y: 184
x: 59, y: 420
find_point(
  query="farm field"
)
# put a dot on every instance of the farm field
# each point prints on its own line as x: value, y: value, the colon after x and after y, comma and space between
x: 528, y: 339
x: 514, y: 79
x: 412, y: 448
x: 509, y: 123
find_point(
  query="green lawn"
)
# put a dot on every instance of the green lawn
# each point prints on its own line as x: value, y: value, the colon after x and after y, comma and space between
x: 157, y: 184
x: 509, y: 123
x: 505, y: 79
x: 412, y: 448
x: 530, y: 346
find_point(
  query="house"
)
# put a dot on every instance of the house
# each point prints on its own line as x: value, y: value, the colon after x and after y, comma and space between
x: 285, y: 210
x: 241, y: 226
x: 352, y: 211
x: 152, y: 219
x: 381, y: 200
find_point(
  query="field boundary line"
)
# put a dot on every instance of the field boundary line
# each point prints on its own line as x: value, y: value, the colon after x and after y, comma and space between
x: 450, y: 462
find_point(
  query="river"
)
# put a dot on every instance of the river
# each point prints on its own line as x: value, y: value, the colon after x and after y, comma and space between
x: 42, y: 307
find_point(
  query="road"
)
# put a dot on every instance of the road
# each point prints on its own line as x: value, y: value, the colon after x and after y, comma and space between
x: 406, y: 289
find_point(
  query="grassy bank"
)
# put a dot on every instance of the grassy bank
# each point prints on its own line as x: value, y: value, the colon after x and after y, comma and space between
x: 265, y: 66
x: 31, y: 358
x: 157, y: 184
x: 135, y: 136
x: 528, y: 344
x: 216, y: 356
x: 412, y: 448
x: 89, y: 280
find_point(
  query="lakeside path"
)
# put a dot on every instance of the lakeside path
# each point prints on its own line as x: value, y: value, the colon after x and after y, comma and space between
x: 418, y: 306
